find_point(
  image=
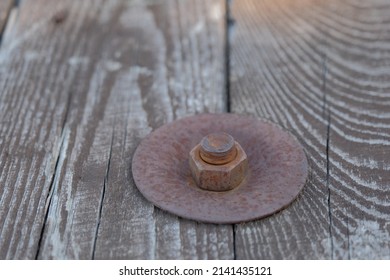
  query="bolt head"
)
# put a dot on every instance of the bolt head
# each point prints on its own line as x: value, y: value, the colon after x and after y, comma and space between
x: 218, y: 148
x: 218, y: 177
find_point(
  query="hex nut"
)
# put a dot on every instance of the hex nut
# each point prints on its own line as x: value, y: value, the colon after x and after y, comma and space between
x: 218, y: 178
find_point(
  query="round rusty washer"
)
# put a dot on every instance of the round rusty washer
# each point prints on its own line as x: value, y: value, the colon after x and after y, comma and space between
x: 277, y: 169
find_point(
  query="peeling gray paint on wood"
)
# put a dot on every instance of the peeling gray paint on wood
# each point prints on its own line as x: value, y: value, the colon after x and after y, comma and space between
x: 90, y: 87
x: 83, y: 82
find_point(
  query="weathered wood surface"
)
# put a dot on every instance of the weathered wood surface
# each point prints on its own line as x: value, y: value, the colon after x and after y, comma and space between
x: 82, y: 82
x: 322, y: 70
x: 5, y: 9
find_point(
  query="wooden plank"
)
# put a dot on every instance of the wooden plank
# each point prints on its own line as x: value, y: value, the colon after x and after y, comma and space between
x: 83, y: 83
x: 320, y: 69
x: 5, y: 9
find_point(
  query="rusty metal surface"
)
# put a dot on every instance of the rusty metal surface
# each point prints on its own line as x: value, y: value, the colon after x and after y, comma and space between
x: 277, y: 169
x: 218, y: 148
x: 219, y: 177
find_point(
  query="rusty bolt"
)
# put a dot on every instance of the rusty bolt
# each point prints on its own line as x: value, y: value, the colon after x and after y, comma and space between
x: 218, y: 163
x: 277, y: 169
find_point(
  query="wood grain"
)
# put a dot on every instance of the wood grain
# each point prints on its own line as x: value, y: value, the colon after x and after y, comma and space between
x: 322, y: 70
x: 82, y: 82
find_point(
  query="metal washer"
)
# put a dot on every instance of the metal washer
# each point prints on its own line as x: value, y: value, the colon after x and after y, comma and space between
x: 277, y: 169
